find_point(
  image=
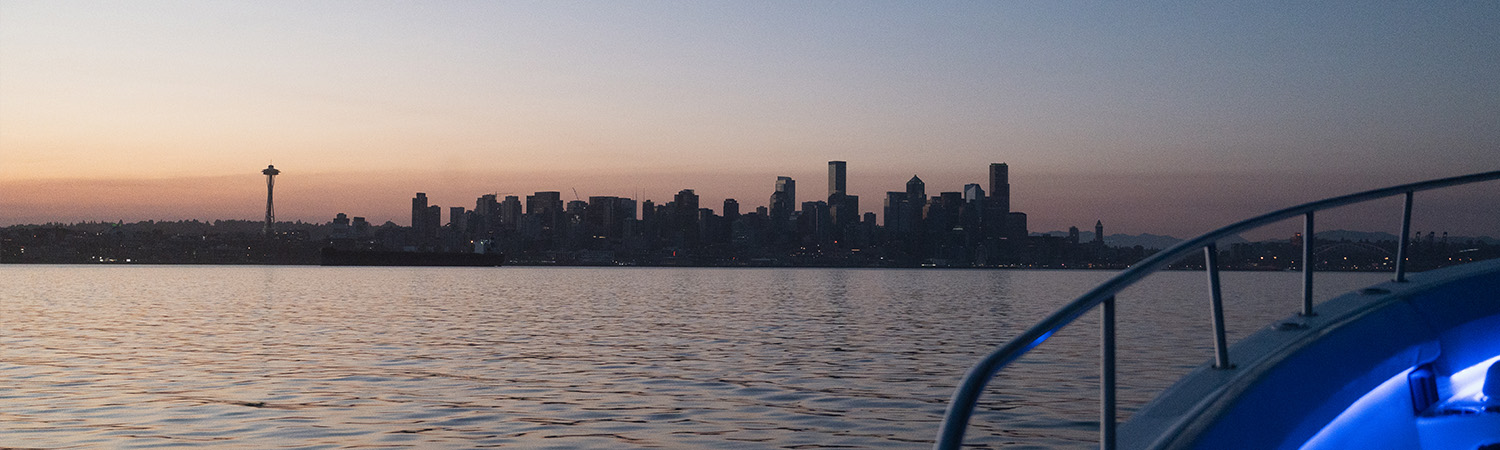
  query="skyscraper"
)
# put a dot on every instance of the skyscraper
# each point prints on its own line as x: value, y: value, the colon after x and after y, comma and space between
x: 458, y: 219
x: 686, y: 218
x: 837, y: 173
x: 1000, y: 187
x: 731, y: 209
x: 788, y: 186
x: 973, y: 193
x: 843, y: 208
x: 896, y: 214
x: 916, y: 192
x: 784, y: 200
x: 547, y: 207
x: 418, y: 212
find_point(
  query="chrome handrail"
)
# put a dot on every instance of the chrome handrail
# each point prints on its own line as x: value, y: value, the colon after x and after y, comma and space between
x: 966, y: 396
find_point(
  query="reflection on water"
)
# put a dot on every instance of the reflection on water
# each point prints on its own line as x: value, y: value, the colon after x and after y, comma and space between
x: 311, y: 357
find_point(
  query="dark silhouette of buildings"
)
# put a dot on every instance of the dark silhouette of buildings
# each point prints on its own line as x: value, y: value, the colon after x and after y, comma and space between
x: 967, y: 228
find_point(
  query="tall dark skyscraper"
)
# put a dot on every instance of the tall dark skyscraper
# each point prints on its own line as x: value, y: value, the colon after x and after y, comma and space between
x: 426, y: 219
x: 458, y: 219
x: 1000, y: 187
x: 731, y: 209
x: 895, y: 212
x: 837, y: 176
x: 783, y: 200
x: 842, y: 207
x: 510, y: 211
x: 418, y: 212
x: 916, y: 192
x: 788, y: 186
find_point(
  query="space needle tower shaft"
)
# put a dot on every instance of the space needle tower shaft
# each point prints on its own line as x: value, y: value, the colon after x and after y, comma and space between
x: 270, y: 173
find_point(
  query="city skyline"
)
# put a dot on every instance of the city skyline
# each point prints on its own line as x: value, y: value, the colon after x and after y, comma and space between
x: 1447, y: 212
x: 1168, y: 119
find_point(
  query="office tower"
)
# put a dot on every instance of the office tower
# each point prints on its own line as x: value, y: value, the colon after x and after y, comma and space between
x: 270, y: 174
x: 896, y: 213
x: 843, y: 209
x: 418, y: 211
x: 1000, y: 187
x: 1073, y: 235
x: 432, y: 221
x: 916, y: 192
x: 510, y: 211
x: 731, y: 209
x: 547, y: 207
x: 837, y: 171
x: 787, y: 187
x: 686, y: 216
x: 544, y: 202
x: 361, y: 227
x: 1015, y: 225
x: 458, y: 220
x: 339, y: 229
x: 486, y: 215
x: 1099, y: 233
x: 648, y: 212
x: 687, y: 202
x: 783, y: 202
x: 973, y: 193
x: 606, y: 215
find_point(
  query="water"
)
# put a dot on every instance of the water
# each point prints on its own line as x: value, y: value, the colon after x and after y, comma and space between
x: 313, y: 357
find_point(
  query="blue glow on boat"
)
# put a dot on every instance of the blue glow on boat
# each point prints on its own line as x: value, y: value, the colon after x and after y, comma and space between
x: 1387, y: 406
x: 1039, y: 340
x: 1468, y: 384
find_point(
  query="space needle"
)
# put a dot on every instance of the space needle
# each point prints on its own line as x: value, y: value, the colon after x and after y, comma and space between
x: 271, y: 174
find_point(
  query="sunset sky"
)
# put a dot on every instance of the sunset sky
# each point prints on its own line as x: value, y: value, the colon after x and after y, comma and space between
x: 1167, y: 118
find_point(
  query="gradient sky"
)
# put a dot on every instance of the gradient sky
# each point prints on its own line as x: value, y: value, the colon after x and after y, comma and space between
x: 1169, y: 118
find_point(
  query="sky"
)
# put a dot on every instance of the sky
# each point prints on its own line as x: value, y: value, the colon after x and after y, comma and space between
x: 1154, y: 117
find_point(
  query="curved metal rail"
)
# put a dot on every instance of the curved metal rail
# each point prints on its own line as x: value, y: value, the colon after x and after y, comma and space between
x: 961, y: 407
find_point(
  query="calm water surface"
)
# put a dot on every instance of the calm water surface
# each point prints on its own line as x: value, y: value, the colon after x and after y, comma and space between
x: 313, y: 357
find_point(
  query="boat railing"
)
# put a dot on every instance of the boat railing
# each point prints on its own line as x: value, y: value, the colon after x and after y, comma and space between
x: 966, y: 396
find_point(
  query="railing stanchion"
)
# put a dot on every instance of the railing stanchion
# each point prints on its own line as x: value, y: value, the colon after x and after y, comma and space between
x: 1405, y: 240
x: 1216, y: 301
x: 1307, y: 264
x: 1107, y: 375
x: 966, y: 395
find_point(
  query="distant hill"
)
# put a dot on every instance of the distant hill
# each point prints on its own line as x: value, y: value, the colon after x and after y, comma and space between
x: 1377, y: 236
x: 1145, y: 240
x: 1158, y: 242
